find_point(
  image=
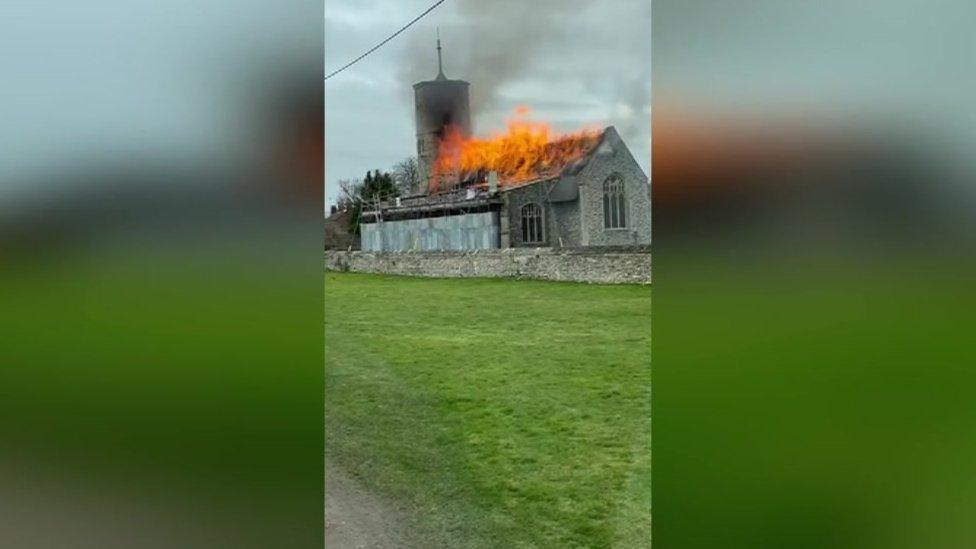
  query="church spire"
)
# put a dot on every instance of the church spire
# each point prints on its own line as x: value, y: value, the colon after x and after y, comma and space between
x: 440, y: 63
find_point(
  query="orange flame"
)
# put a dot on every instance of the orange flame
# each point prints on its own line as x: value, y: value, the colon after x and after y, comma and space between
x: 529, y: 150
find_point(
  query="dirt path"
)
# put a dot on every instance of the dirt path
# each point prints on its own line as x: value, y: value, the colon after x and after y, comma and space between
x: 357, y: 519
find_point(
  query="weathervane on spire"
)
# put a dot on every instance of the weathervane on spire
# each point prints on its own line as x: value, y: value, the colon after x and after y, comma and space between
x: 440, y: 63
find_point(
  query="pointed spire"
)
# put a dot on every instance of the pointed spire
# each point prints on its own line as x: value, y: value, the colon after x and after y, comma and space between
x: 440, y: 64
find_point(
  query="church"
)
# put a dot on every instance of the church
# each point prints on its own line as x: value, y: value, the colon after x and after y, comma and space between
x: 596, y: 196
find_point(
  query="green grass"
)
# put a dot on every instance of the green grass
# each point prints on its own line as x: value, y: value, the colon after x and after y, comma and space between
x: 495, y: 413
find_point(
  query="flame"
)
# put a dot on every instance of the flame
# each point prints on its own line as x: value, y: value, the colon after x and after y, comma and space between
x: 529, y: 150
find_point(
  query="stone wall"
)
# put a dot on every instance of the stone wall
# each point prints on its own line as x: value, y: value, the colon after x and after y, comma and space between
x: 609, y: 266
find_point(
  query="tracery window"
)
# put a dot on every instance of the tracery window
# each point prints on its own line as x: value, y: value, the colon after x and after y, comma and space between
x: 614, y: 203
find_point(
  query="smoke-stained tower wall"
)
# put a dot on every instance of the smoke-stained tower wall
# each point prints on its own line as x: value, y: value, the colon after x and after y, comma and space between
x: 439, y: 103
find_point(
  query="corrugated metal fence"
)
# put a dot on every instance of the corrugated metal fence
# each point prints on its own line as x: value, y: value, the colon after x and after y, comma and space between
x: 476, y: 231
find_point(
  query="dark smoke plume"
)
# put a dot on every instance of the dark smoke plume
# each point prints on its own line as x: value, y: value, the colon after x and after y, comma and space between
x: 588, y: 56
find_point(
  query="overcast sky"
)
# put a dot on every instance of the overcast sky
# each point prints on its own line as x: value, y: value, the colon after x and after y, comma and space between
x: 574, y: 62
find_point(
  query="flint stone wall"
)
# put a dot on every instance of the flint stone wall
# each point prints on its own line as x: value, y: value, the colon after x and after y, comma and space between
x: 606, y: 266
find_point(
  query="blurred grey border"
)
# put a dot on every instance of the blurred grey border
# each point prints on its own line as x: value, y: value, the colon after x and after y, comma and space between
x: 161, y: 174
x: 813, y: 185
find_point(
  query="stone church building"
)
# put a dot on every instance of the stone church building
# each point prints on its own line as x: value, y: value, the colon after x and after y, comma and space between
x: 602, y: 198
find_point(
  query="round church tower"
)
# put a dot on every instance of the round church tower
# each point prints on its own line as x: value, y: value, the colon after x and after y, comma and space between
x: 440, y: 103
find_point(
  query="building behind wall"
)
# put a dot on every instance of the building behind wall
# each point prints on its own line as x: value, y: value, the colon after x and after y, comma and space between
x: 600, y: 199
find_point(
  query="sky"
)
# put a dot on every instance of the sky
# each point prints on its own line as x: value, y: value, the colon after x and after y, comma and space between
x: 575, y: 63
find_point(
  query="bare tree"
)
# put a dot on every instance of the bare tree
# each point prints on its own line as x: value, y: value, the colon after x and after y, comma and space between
x: 406, y: 176
x: 349, y: 192
x: 354, y: 193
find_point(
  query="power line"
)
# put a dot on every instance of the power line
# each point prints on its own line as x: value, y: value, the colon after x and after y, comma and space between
x: 378, y: 46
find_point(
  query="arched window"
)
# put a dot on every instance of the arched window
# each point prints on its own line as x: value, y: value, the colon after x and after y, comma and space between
x: 532, y: 224
x: 614, y: 203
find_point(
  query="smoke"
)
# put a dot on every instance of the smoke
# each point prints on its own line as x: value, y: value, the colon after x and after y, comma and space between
x: 490, y: 43
x: 574, y: 62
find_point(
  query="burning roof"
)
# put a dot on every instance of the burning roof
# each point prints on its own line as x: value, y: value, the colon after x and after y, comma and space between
x: 528, y: 152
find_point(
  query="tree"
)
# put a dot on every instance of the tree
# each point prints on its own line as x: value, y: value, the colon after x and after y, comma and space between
x: 406, y: 175
x: 349, y: 190
x: 376, y: 187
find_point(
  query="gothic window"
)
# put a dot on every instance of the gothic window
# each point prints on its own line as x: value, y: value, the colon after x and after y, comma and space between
x: 614, y: 203
x: 532, y: 224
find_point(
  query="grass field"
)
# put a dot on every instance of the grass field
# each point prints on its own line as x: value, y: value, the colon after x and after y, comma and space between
x: 494, y: 413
